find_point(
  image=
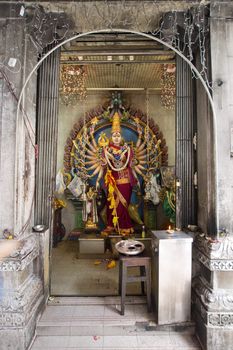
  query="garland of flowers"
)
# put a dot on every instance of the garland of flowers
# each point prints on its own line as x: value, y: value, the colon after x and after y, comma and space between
x: 112, y: 167
x: 111, y: 184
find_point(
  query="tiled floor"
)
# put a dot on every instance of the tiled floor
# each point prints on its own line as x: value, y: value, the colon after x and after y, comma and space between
x: 88, y: 324
x: 155, y: 342
x: 73, y: 276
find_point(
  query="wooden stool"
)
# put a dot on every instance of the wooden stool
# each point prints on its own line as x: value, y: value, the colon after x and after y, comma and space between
x: 144, y: 263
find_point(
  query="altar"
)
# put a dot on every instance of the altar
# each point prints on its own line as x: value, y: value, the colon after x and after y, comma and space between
x: 92, y: 245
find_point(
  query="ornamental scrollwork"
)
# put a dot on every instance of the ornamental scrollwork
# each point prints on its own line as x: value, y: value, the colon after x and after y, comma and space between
x: 16, y: 301
x: 19, y: 259
x: 220, y: 319
x: 18, y: 264
x: 45, y: 28
x: 12, y: 319
x: 214, y: 300
x: 213, y: 264
x: 217, y: 249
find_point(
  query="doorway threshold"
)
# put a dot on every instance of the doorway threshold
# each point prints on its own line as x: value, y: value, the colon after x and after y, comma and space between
x: 82, y: 314
x: 95, y: 322
x: 108, y: 300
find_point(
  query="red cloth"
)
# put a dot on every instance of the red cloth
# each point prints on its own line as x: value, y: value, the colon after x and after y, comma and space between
x: 122, y: 212
x: 126, y: 191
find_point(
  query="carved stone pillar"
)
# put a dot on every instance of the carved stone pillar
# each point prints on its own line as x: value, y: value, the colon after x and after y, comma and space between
x: 213, y: 293
x: 24, y: 288
x: 21, y: 296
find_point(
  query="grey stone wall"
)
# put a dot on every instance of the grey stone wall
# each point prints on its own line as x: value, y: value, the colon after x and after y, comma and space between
x: 212, y: 285
x: 24, y: 274
x: 8, y: 118
x: 17, y: 136
x: 222, y: 77
x: 205, y: 162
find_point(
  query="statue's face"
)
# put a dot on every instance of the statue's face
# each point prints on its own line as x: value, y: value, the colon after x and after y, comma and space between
x: 116, y: 138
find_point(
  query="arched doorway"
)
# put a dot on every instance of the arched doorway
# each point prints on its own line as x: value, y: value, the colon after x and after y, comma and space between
x: 51, y: 175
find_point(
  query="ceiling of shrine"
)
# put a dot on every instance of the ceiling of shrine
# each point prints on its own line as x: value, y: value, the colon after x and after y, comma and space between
x: 119, y: 60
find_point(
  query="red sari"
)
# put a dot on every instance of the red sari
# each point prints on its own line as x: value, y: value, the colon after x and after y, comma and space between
x: 124, y: 181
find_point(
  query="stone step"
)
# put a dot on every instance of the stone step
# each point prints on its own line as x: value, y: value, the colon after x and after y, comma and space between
x: 110, y: 300
x: 168, y: 341
x: 142, y: 328
x: 101, y: 316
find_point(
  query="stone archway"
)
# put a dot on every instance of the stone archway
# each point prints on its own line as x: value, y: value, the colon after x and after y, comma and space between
x: 19, y: 171
x: 53, y: 49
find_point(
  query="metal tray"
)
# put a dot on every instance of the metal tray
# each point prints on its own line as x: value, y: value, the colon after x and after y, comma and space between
x: 130, y: 247
x: 39, y: 228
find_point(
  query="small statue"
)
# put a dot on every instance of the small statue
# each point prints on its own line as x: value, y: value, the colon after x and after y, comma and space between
x: 90, y: 216
x: 152, y: 189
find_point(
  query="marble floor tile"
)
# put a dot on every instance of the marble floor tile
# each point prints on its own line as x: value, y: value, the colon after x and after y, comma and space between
x: 119, y: 342
x: 114, y: 311
x: 89, y: 342
x: 50, y: 348
x: 112, y: 330
x: 141, y: 313
x: 184, y: 340
x: 50, y: 342
x: 61, y: 313
x: 88, y: 311
x: 87, y: 330
x: 154, y: 341
x: 49, y: 330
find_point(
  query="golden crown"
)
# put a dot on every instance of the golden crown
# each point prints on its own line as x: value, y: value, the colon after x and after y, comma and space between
x: 116, y: 123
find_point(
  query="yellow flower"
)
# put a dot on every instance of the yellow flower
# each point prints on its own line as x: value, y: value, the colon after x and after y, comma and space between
x: 115, y: 220
x: 58, y: 203
x: 97, y: 262
x: 111, y: 264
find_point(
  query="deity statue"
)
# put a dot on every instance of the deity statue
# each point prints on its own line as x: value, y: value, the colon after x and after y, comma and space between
x: 119, y: 180
x: 114, y: 165
x: 119, y: 165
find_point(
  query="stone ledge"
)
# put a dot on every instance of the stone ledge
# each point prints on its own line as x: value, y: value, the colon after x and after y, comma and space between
x: 220, y: 319
x: 221, y: 249
x: 22, y: 257
x: 213, y: 319
x: 213, y: 264
x: 213, y: 300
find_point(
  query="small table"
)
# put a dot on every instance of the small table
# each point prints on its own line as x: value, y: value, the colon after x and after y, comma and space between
x: 144, y: 263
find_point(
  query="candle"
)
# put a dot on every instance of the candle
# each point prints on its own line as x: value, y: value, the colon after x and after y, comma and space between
x: 169, y: 230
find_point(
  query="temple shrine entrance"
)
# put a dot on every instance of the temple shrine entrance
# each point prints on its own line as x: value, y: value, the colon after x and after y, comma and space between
x: 130, y: 89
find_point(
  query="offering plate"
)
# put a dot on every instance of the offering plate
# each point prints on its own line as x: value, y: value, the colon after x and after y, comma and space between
x: 129, y: 247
